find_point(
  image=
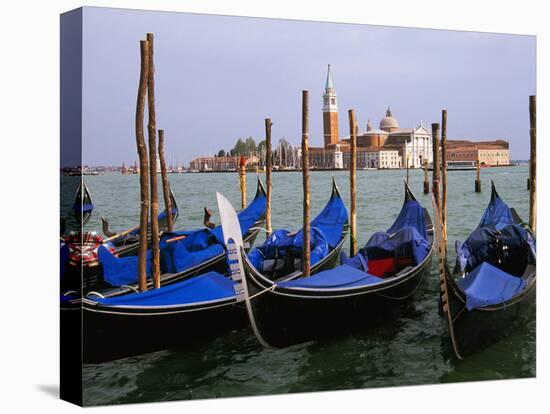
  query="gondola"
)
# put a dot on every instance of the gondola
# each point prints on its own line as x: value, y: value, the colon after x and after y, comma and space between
x: 127, y: 242
x: 349, y: 298
x: 195, y: 252
x: 179, y: 314
x: 83, y: 205
x: 492, y: 290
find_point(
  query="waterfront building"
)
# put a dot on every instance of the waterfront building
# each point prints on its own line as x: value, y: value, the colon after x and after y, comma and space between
x: 380, y: 158
x: 206, y: 164
x: 490, y: 153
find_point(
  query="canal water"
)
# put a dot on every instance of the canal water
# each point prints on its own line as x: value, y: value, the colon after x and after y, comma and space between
x: 413, y: 349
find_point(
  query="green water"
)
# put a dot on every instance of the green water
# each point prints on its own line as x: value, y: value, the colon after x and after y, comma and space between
x: 410, y: 350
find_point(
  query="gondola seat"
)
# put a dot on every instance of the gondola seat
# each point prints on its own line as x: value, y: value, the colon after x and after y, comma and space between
x: 282, y: 251
x: 203, y: 288
x: 339, y: 277
x: 488, y: 285
x: 119, y: 271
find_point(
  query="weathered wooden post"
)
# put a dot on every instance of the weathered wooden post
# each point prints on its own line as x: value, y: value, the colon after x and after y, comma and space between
x: 152, y: 132
x: 478, y: 174
x: 407, y: 158
x: 444, y: 174
x: 533, y: 164
x: 352, y: 169
x: 143, y: 166
x: 305, y: 180
x: 436, y: 166
x: 165, y: 184
x: 426, y: 182
x: 242, y: 180
x: 268, y: 167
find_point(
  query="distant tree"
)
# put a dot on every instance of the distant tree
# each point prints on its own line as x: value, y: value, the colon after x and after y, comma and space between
x: 261, y: 146
x: 250, y: 145
x: 239, y: 148
x: 221, y: 153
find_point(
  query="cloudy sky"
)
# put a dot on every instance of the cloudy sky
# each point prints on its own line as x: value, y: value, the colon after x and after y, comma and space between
x: 218, y: 77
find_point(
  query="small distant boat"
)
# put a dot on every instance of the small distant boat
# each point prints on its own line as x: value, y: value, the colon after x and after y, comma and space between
x: 366, y: 288
x: 493, y: 289
x: 83, y: 205
x: 459, y: 166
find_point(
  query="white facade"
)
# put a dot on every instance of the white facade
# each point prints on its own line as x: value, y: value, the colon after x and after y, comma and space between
x: 418, y: 147
x: 375, y: 159
x: 330, y: 101
x: 389, y: 159
x: 338, y: 158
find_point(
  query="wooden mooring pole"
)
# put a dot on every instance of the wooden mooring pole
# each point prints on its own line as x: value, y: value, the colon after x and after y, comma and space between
x: 143, y: 166
x: 268, y: 168
x: 352, y: 184
x: 305, y: 180
x: 242, y: 181
x: 444, y: 175
x: 478, y: 174
x: 426, y: 182
x: 436, y: 166
x: 152, y: 132
x: 533, y: 164
x: 165, y: 183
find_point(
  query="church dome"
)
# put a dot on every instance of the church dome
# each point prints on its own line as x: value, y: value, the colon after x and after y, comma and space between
x: 389, y: 123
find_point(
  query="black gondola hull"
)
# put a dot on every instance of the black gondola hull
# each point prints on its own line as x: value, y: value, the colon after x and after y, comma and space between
x: 109, y: 334
x: 289, y: 316
x: 478, y: 329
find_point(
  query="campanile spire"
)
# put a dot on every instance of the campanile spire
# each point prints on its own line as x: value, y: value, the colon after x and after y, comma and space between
x: 330, y: 112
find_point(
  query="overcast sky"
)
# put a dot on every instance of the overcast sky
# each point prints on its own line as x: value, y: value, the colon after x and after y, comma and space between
x: 218, y: 77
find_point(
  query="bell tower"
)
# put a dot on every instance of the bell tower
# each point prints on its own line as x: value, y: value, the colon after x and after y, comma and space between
x: 330, y: 113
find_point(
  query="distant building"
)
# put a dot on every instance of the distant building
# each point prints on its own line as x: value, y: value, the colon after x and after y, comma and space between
x: 219, y: 163
x: 490, y: 153
x: 374, y: 158
x: 391, y: 146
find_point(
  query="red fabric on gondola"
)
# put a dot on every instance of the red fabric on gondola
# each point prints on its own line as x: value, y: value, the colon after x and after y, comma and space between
x: 381, y: 267
x: 83, y: 248
x: 388, y: 267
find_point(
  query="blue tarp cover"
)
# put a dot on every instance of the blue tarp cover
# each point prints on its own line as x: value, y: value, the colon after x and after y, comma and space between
x: 207, y: 287
x: 488, y: 285
x: 405, y: 242
x: 325, y: 233
x: 485, y: 244
x: 411, y: 215
x: 196, y: 248
x: 497, y: 214
x: 339, y: 277
x: 407, y: 237
x: 118, y: 271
